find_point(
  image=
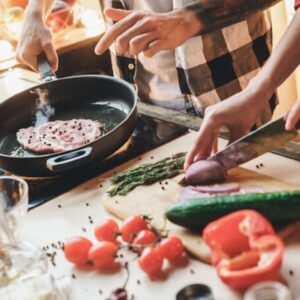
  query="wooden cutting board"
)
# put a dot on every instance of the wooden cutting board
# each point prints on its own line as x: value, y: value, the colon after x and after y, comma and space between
x: 153, y: 200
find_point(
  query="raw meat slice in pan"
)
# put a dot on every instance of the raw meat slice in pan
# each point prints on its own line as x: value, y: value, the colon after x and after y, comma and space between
x: 59, y: 136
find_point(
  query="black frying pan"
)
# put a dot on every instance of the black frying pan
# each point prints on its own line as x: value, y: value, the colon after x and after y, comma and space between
x: 105, y: 99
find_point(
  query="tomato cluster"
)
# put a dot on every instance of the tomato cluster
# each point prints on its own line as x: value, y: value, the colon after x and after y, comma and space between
x: 136, y: 234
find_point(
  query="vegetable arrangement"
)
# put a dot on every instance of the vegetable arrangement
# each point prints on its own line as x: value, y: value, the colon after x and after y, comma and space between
x: 278, y: 207
x: 136, y: 234
x: 249, y: 254
x: 147, y: 174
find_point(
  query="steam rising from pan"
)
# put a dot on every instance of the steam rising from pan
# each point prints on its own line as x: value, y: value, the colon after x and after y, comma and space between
x: 44, y: 111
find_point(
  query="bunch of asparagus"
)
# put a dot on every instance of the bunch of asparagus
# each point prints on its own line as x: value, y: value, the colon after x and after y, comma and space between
x: 147, y: 174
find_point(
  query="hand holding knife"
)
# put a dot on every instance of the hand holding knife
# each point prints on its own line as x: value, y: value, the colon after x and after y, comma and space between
x: 266, y: 138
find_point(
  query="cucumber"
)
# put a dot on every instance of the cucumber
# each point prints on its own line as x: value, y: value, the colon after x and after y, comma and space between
x: 279, y: 207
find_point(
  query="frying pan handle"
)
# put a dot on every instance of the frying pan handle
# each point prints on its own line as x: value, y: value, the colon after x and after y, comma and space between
x: 70, y: 160
x: 45, y: 69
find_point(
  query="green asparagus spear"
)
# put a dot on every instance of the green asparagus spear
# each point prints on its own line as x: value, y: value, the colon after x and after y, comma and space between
x: 147, y: 174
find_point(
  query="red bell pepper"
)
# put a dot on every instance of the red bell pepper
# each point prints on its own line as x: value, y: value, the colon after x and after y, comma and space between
x: 244, y: 248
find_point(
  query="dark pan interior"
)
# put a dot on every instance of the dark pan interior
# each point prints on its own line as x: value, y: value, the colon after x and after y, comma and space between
x: 98, y: 98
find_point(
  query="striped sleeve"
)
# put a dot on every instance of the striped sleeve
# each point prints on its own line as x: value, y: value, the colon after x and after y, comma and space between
x: 297, y: 4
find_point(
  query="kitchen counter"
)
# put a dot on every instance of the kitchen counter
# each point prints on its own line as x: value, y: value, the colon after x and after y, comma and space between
x: 70, y: 214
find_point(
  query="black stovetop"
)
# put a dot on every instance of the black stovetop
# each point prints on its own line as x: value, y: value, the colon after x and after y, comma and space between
x: 149, y: 134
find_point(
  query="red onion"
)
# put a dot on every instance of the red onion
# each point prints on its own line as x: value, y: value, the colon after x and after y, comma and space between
x: 205, y: 172
x: 226, y: 188
x: 189, y: 192
x: 118, y: 294
x: 251, y: 188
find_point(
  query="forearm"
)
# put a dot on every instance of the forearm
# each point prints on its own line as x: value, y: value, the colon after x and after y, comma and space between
x: 40, y: 8
x: 283, y: 61
x: 36, y: 37
x: 215, y: 14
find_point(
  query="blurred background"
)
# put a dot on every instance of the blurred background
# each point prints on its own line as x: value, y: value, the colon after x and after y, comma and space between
x: 282, y: 14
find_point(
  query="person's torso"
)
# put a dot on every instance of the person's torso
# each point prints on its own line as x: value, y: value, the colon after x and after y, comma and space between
x: 156, y: 76
x: 205, y: 69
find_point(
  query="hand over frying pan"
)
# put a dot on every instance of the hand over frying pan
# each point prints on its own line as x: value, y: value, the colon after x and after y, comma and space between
x: 101, y: 98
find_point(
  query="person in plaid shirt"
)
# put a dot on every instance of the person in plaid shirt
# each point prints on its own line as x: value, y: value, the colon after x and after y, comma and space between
x: 248, y: 104
x: 182, y: 54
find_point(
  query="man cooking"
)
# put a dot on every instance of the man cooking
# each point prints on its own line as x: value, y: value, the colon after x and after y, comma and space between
x: 174, y: 52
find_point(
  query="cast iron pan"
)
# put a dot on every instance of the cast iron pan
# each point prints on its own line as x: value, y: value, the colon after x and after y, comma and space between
x: 105, y: 99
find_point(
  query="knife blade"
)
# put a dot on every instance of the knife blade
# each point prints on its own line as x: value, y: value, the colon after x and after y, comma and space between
x: 290, y: 149
x: 266, y: 138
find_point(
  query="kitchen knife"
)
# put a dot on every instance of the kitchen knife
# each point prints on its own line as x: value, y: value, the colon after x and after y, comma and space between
x: 290, y: 149
x: 264, y: 139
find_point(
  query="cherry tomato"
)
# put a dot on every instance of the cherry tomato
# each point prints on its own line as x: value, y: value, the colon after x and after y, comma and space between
x: 103, y: 256
x: 171, y: 248
x: 151, y: 261
x: 131, y: 227
x: 107, y: 231
x: 77, y: 249
x: 144, y: 237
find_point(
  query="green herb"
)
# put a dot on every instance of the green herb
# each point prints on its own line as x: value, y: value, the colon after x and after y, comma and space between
x: 147, y: 174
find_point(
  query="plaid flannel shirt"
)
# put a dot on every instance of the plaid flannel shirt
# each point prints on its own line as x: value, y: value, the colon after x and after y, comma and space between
x: 214, y: 66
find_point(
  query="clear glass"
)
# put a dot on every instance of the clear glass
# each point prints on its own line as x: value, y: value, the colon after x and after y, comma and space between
x: 18, y: 259
x: 13, y: 205
x: 268, y: 290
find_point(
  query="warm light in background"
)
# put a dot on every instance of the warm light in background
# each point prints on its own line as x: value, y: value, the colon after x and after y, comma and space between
x: 6, y: 50
x: 89, y: 18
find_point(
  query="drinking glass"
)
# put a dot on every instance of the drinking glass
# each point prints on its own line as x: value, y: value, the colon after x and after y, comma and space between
x: 19, y: 259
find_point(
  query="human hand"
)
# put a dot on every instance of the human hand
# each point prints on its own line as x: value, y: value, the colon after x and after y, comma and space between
x: 293, y: 117
x: 238, y: 114
x: 148, y: 32
x: 36, y: 38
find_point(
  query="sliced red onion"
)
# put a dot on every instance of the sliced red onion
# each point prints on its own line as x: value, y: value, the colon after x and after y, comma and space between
x: 251, y: 188
x: 205, y: 172
x: 189, y: 192
x: 226, y: 188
